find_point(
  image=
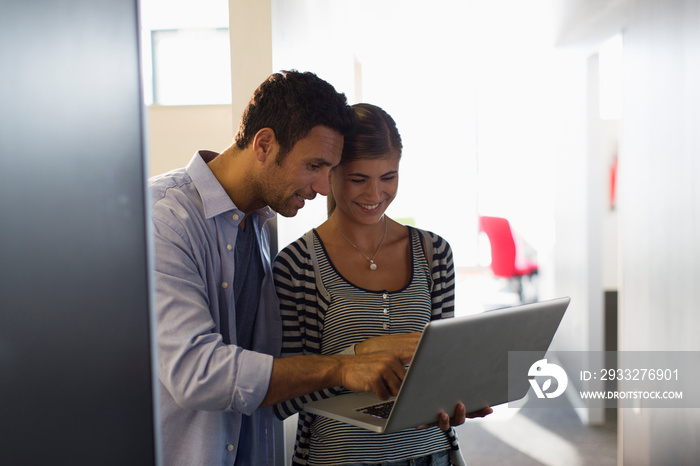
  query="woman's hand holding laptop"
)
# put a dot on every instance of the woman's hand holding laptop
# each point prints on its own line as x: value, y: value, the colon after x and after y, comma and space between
x: 445, y: 422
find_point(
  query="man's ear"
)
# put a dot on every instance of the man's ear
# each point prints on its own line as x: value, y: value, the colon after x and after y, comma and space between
x: 265, y: 144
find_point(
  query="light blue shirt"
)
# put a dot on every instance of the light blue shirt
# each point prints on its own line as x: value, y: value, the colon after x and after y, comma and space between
x: 205, y: 385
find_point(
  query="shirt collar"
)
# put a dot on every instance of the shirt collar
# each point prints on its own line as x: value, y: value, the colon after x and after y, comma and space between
x: 214, y: 197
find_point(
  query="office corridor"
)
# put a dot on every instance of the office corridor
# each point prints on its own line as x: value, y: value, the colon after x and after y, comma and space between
x: 538, y: 437
x: 528, y: 436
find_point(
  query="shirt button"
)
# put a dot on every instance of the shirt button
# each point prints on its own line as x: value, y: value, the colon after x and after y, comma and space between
x: 224, y: 285
x: 384, y: 296
x: 386, y: 311
x: 236, y: 216
x: 229, y: 447
x: 229, y: 247
x: 385, y: 326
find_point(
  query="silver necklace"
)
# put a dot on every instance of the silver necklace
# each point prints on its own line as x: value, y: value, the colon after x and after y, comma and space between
x: 372, y: 265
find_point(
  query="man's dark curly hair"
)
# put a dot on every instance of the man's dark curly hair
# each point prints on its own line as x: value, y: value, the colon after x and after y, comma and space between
x: 292, y: 103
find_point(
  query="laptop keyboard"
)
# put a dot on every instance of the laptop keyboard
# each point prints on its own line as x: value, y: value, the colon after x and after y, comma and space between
x: 380, y: 410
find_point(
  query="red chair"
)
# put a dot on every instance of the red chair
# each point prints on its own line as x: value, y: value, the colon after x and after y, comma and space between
x: 506, y: 260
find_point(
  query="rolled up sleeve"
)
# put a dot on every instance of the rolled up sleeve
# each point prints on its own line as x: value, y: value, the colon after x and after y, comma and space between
x: 196, y: 367
x: 252, y: 381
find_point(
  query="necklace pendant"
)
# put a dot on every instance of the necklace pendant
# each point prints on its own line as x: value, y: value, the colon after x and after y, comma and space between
x: 372, y: 265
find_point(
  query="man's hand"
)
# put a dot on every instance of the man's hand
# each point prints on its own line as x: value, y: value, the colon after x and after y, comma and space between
x: 407, y: 341
x: 378, y: 372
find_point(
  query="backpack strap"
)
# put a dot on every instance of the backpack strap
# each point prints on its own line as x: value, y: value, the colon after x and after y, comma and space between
x: 429, y: 252
x: 309, y: 239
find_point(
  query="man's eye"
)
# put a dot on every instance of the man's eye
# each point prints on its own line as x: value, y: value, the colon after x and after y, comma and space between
x: 314, y: 167
x: 357, y: 181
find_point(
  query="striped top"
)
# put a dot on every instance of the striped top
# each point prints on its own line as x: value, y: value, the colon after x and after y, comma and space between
x: 323, y: 313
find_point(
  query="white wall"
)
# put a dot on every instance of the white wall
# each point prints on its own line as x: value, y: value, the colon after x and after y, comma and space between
x: 658, y: 209
x: 586, y: 253
x: 660, y: 214
x: 176, y: 133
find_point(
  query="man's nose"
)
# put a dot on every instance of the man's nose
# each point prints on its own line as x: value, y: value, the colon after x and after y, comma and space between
x: 322, y: 184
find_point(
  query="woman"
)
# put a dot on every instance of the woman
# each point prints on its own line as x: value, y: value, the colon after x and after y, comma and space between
x: 362, y: 282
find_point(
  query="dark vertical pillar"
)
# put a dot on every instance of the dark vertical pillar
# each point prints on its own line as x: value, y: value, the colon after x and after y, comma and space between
x: 75, y: 352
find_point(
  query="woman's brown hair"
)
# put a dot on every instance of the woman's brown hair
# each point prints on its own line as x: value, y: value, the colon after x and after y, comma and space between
x: 375, y: 136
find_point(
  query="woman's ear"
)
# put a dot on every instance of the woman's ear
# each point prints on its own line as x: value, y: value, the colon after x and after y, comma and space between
x: 265, y: 144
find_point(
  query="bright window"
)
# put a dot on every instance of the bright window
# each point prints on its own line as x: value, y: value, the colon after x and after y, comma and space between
x: 191, y: 67
x: 185, y: 52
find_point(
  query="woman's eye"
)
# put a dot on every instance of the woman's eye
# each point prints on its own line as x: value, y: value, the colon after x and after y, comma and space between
x: 357, y: 181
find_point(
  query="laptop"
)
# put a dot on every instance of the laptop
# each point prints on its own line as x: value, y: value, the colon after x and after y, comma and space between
x: 463, y: 359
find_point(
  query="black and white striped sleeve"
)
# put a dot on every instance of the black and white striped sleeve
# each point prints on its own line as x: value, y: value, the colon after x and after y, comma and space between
x: 295, y: 282
x: 443, y: 276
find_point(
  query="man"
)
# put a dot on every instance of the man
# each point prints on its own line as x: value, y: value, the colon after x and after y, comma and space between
x: 218, y: 322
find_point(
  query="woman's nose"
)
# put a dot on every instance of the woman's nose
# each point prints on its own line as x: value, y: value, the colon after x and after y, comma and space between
x: 373, y: 191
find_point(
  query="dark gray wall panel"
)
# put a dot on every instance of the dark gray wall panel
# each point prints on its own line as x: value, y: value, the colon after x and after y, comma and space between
x: 75, y: 367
